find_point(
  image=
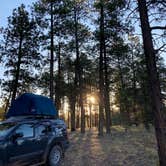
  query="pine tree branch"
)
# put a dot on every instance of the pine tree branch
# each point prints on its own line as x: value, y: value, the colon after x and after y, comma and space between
x: 163, y: 96
x: 159, y: 49
x: 158, y: 28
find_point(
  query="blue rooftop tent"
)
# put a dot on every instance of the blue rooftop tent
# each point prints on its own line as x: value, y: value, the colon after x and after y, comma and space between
x: 32, y: 104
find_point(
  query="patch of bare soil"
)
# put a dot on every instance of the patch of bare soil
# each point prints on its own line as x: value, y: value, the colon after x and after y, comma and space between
x: 136, y: 147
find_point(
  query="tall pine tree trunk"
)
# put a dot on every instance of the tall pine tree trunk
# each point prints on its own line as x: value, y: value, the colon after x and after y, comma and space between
x: 59, y: 79
x: 101, y: 73
x: 160, y: 122
x: 15, y: 85
x: 82, y: 114
x: 106, y: 92
x: 52, y: 53
x: 77, y: 120
x: 79, y: 73
x: 72, y: 112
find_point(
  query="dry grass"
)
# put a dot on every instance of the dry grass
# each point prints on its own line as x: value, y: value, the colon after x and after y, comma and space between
x: 137, y: 147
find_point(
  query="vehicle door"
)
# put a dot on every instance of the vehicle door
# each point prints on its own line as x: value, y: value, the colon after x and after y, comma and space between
x: 41, y: 139
x: 22, y: 147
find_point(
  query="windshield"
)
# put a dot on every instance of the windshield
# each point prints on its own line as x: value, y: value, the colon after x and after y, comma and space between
x: 5, y: 128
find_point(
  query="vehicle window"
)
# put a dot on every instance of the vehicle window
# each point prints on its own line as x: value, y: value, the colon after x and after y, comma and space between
x: 41, y: 130
x: 5, y: 128
x: 26, y: 130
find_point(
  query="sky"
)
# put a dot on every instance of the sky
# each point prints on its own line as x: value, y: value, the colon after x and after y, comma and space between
x: 7, y: 7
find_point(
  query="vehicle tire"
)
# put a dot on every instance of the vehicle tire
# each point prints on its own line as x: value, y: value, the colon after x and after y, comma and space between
x: 55, y: 156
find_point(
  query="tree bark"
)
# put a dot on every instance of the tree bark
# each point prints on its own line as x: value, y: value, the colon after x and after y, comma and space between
x: 77, y: 121
x: 106, y: 92
x: 58, y: 82
x: 17, y: 69
x: 160, y: 121
x: 72, y: 108
x: 90, y: 116
x: 78, y: 72
x: 52, y: 53
x: 101, y: 73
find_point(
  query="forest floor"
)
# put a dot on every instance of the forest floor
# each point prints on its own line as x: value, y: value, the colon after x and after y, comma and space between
x: 136, y: 147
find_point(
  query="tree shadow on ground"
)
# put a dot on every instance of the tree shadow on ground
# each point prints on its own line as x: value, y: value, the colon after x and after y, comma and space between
x: 137, y: 147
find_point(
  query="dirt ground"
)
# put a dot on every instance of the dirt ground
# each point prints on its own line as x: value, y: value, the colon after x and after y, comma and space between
x: 137, y: 147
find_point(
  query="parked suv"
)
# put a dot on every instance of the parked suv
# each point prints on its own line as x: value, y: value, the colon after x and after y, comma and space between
x: 29, y: 140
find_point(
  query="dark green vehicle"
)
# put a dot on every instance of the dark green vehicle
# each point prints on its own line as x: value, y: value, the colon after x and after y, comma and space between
x: 32, y: 141
x: 32, y: 134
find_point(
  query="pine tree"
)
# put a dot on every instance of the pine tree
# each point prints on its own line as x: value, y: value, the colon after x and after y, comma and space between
x: 78, y: 33
x: 160, y: 121
x: 50, y: 16
x: 21, y: 50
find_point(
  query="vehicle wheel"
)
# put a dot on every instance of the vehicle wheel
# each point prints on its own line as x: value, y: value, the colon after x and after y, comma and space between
x: 55, y: 156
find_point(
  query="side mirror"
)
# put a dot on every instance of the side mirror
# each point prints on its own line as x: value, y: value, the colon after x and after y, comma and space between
x: 16, y: 136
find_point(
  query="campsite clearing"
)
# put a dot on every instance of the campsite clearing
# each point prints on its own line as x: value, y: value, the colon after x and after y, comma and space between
x: 137, y: 147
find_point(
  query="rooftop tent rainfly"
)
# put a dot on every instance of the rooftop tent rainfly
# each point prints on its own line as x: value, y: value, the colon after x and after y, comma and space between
x: 32, y: 104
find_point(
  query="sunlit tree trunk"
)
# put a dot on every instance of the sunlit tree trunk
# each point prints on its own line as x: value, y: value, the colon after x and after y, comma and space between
x: 77, y: 121
x: 72, y: 111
